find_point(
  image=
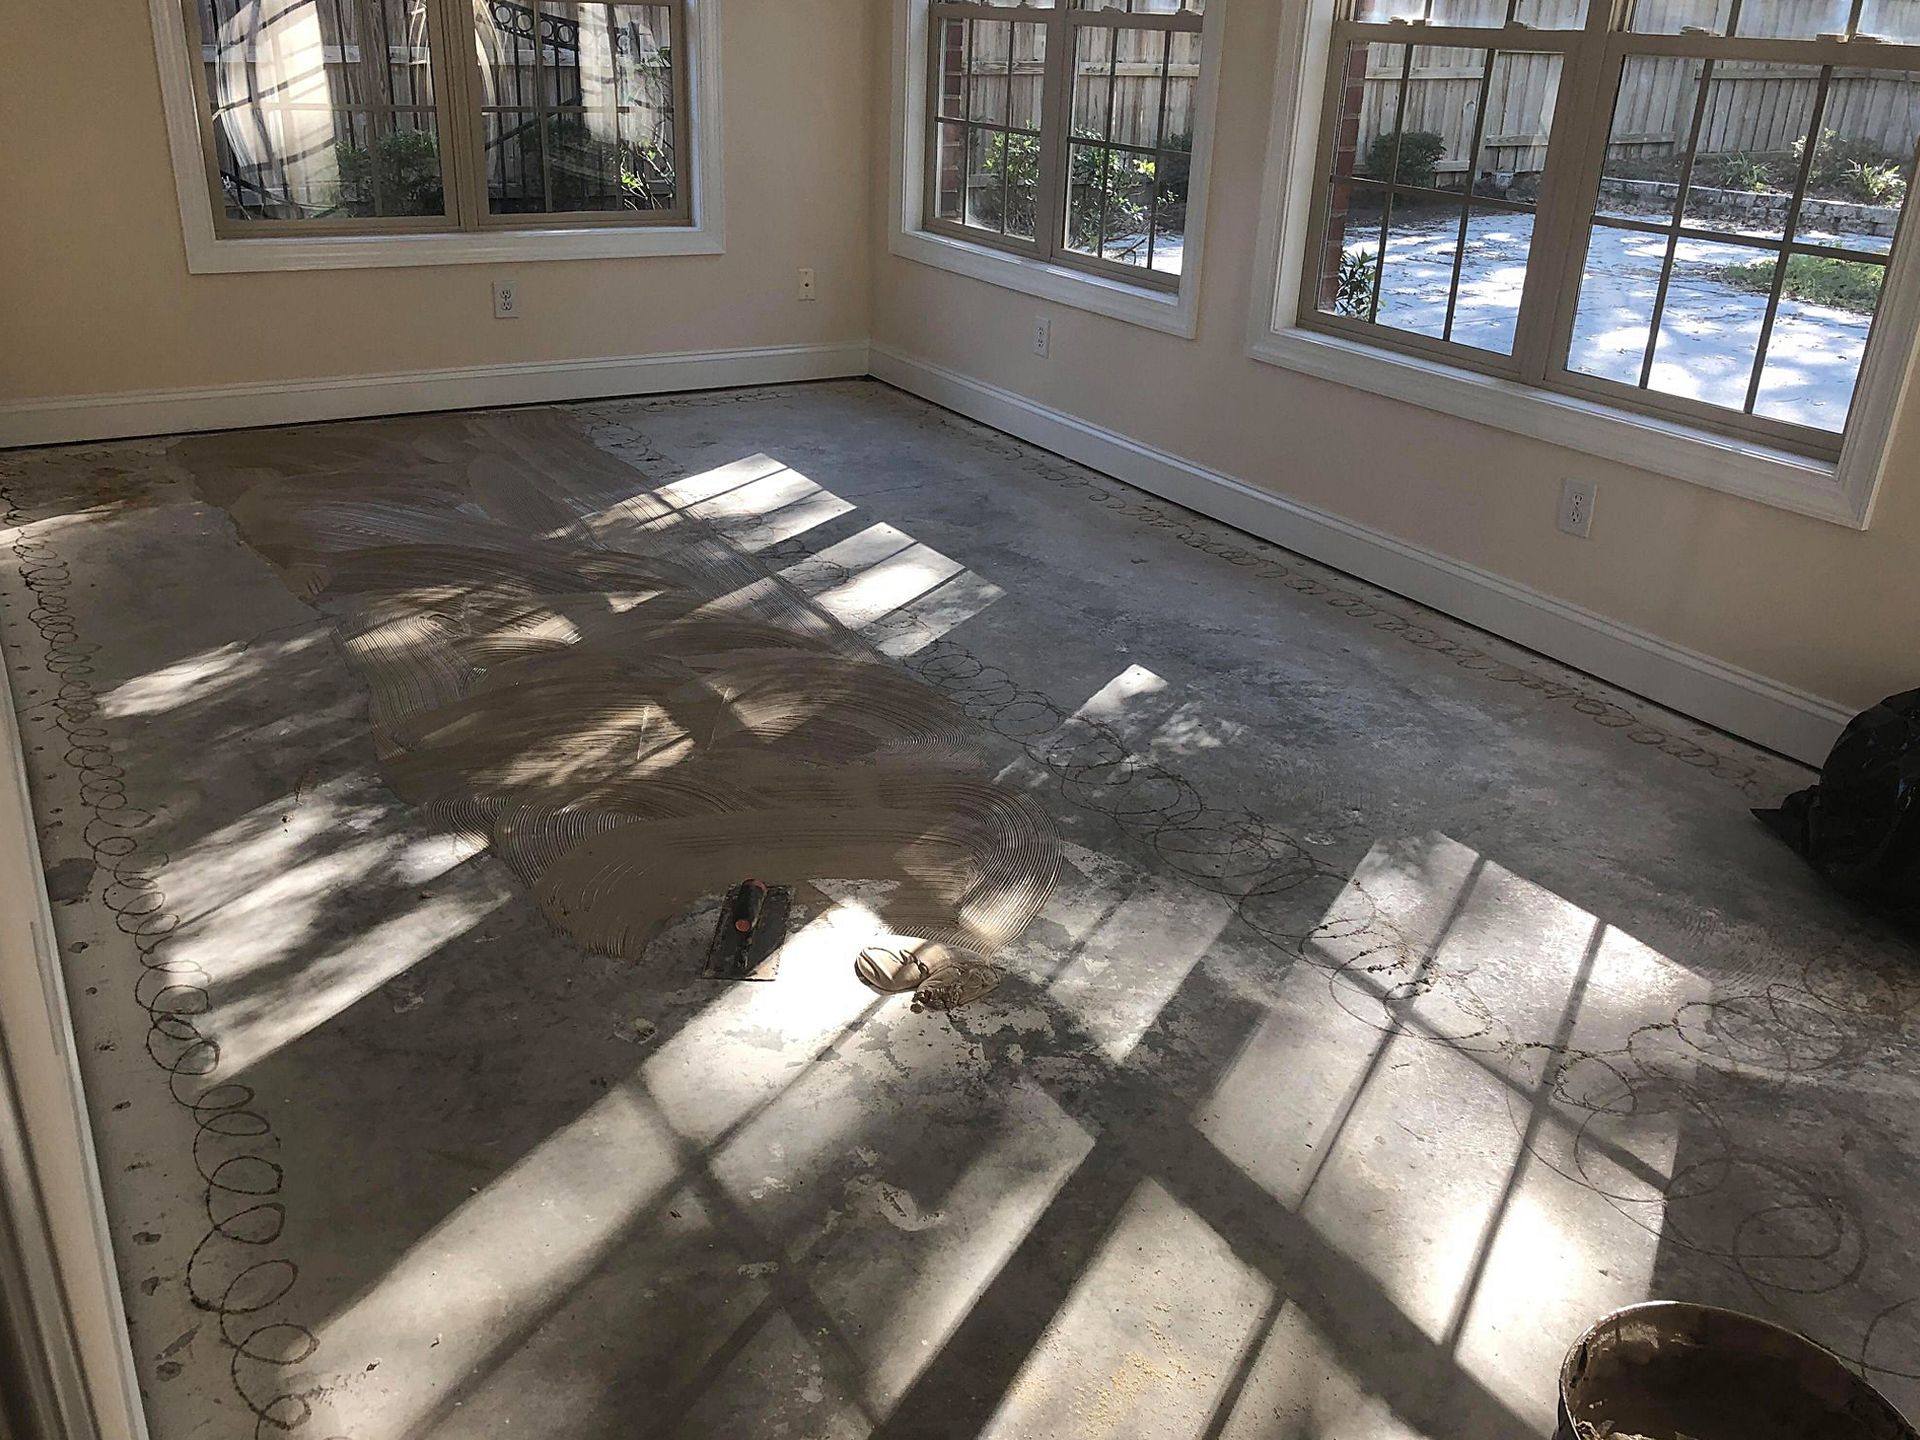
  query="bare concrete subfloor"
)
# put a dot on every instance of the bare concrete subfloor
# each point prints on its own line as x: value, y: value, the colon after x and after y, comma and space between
x: 1404, y: 1003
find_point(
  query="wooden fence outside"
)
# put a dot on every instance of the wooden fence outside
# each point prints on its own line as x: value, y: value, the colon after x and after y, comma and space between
x: 1751, y: 109
x: 1008, y: 60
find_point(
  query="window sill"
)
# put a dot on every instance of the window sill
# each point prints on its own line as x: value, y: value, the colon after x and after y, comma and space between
x: 1167, y: 311
x: 207, y: 255
x: 1719, y: 462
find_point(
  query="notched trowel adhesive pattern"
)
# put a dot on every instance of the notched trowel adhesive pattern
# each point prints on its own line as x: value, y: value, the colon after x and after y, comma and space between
x: 629, y: 710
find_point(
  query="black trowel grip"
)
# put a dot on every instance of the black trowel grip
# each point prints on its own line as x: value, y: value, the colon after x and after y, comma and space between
x: 749, y: 898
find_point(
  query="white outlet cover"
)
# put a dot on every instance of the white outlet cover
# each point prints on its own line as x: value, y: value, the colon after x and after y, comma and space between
x: 1577, y: 501
x: 1042, y: 335
x: 506, y: 300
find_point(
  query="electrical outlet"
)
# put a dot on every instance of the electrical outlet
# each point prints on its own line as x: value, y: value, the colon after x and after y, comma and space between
x: 506, y: 300
x: 1042, y: 335
x: 1576, y: 506
x: 806, y: 285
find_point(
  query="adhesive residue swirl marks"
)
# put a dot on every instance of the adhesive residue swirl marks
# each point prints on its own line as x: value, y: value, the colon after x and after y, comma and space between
x: 630, y: 711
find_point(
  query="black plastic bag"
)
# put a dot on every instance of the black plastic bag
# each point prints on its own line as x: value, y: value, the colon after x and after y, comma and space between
x: 1860, y: 825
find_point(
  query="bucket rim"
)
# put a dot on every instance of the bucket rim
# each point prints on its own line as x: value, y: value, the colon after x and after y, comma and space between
x: 1639, y: 1308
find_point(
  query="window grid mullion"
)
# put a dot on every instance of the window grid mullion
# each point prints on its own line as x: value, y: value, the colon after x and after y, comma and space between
x: 1684, y: 186
x: 1466, y: 204
x: 1106, y: 152
x: 1550, y: 295
x: 1159, y: 144
x: 1801, y: 179
x: 1056, y: 100
x: 1393, y: 178
x: 1006, y: 136
x: 454, y: 53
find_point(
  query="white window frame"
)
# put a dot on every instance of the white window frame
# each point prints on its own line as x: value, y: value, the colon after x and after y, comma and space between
x: 209, y: 253
x: 1174, y: 311
x: 1841, y: 491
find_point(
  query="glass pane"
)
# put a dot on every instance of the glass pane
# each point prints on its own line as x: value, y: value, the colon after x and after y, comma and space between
x: 1369, y: 104
x: 1092, y: 81
x: 984, y: 179
x: 1436, y: 122
x: 1110, y: 200
x: 1894, y: 20
x: 1084, y: 186
x: 1680, y: 17
x: 1710, y: 328
x: 953, y: 68
x: 1026, y: 82
x: 1138, y: 58
x: 989, y: 48
x: 1350, y: 259
x: 1647, y: 144
x: 1819, y: 335
x: 1423, y: 236
x: 1551, y: 14
x: 584, y: 161
x: 515, y: 162
x: 1618, y: 286
x: 403, y: 171
x: 1130, y: 184
x: 1145, y: 7
x: 1170, y: 213
x: 1183, y: 80
x: 287, y: 164
x: 1467, y: 12
x: 1863, y: 163
x: 610, y: 55
x: 1751, y: 136
x: 1021, y: 157
x: 504, y: 42
x: 579, y: 107
x: 287, y: 80
x: 1381, y: 12
x: 950, y: 168
x: 1493, y: 271
x: 315, y: 52
x: 1792, y: 19
x: 1521, y: 93
x: 1540, y: 14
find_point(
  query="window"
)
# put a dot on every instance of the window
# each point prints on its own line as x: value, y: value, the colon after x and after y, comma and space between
x: 1065, y: 131
x: 358, y: 117
x: 1685, y: 208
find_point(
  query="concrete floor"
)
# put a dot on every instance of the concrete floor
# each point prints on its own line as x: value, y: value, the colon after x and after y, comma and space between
x: 1405, y: 1002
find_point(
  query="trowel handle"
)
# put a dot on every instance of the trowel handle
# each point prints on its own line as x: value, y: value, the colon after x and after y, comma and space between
x: 748, y: 899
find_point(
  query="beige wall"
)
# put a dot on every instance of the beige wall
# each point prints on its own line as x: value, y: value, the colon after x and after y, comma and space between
x: 95, y: 296
x: 1832, y: 611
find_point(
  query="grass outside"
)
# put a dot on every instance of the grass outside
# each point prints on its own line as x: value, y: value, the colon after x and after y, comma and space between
x: 1816, y: 279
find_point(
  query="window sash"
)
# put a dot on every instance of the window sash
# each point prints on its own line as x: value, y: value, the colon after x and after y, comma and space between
x: 1593, y: 59
x: 460, y: 126
x: 1063, y: 25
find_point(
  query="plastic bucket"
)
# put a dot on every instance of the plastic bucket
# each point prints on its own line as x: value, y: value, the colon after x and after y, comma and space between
x: 1668, y: 1369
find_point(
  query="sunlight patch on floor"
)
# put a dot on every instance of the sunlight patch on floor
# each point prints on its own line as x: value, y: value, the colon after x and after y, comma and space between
x: 767, y: 1032
x: 1149, y: 1339
x: 1303, y: 1386
x: 200, y: 677
x: 906, y: 1262
x: 485, y: 1274
x: 1380, y: 1099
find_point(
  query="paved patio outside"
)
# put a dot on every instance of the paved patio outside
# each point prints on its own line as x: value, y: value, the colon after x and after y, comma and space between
x: 1708, y: 333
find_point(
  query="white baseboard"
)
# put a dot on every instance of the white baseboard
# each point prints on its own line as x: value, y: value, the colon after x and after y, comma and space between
x: 1741, y: 702
x: 285, y: 402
